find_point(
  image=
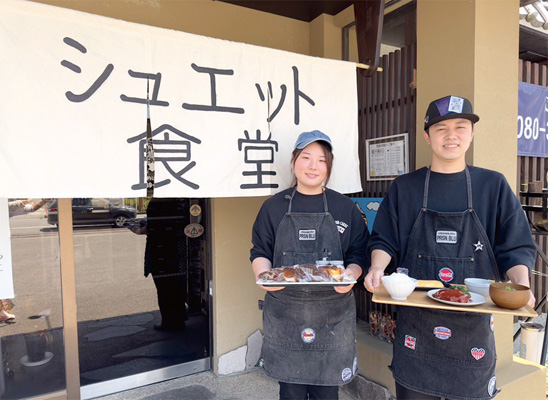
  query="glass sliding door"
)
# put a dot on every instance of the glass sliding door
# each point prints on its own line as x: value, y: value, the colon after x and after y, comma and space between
x: 32, y: 356
x: 142, y: 293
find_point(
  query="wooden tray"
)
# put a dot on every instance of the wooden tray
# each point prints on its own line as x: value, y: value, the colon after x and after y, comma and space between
x: 421, y: 299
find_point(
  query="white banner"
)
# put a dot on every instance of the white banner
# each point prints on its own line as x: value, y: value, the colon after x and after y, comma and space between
x: 224, y: 115
x: 6, y: 273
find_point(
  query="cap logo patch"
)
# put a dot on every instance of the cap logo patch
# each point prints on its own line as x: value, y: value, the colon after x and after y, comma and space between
x: 443, y: 105
x: 477, y: 353
x: 446, y: 274
x: 456, y: 104
x: 410, y: 342
x: 450, y: 104
x: 441, y: 332
x: 308, y: 335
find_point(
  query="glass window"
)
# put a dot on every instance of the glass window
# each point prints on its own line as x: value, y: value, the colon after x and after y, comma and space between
x: 139, y: 290
x: 32, y: 356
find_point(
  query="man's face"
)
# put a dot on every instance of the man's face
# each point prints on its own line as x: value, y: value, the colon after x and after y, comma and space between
x: 450, y: 139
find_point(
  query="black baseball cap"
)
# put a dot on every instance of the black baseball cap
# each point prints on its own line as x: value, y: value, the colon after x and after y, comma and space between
x: 449, y: 107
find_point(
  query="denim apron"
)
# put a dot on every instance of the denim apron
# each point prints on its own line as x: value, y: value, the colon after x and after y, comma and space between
x: 438, y: 352
x: 309, y: 331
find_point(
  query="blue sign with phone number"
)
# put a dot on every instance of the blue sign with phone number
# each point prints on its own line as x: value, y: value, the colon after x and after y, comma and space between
x: 532, y: 120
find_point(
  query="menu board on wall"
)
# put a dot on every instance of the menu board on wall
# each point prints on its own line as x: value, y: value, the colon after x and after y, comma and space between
x: 387, y: 157
x: 6, y: 276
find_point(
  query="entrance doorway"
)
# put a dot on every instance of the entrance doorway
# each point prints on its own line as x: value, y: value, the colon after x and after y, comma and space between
x: 143, y: 296
x: 118, y: 347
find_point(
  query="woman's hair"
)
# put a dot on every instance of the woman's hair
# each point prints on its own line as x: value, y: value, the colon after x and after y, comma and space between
x: 328, y: 160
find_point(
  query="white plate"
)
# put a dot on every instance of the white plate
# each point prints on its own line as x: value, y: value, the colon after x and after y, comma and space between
x: 476, y: 299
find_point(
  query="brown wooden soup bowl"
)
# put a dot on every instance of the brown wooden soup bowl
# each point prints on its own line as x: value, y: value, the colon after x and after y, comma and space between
x: 504, y: 297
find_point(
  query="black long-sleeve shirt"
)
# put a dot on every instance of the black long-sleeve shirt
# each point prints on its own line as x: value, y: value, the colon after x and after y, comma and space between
x: 350, y: 224
x: 496, y: 206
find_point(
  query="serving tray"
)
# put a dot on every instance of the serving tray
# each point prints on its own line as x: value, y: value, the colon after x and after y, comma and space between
x: 421, y: 299
x: 345, y: 282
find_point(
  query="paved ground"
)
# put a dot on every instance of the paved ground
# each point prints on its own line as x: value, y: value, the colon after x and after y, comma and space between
x: 207, y: 386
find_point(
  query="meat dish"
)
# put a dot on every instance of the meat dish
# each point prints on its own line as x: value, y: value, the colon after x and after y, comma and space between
x: 453, y: 295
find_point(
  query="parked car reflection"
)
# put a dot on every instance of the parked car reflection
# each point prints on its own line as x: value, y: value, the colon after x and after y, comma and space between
x: 94, y: 211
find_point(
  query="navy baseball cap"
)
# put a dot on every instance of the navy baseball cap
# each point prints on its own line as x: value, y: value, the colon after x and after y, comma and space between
x: 306, y: 138
x: 449, y: 107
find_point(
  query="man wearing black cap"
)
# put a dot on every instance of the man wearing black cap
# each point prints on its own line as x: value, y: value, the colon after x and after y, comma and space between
x: 448, y: 222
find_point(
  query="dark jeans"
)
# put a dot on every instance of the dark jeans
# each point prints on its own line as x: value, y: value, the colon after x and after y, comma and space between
x: 294, y: 391
x: 402, y: 393
x: 171, y: 292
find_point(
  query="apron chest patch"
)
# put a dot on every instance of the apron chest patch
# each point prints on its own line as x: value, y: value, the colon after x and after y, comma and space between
x: 492, y: 385
x: 478, y: 246
x: 446, y: 274
x: 308, y: 335
x: 410, y: 342
x: 448, y: 237
x: 346, y: 375
x: 441, y: 332
x: 307, y: 234
x: 477, y: 353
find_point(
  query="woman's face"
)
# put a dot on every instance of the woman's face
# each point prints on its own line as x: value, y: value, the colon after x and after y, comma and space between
x: 310, y: 169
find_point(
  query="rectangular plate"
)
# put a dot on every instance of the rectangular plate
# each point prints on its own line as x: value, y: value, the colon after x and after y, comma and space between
x: 427, y: 288
x: 421, y: 299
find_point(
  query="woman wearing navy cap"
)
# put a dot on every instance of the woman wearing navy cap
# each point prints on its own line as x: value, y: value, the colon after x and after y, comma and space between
x: 448, y: 222
x: 309, y: 331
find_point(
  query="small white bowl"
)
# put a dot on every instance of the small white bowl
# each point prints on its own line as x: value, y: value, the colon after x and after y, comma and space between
x: 478, y: 285
x: 399, y: 290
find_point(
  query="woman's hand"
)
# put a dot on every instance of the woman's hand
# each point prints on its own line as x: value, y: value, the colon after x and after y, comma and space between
x: 271, y: 288
x: 353, y: 271
x: 259, y: 265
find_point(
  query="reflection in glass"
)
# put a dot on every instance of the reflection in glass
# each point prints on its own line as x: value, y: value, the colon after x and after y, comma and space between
x: 32, y: 355
x: 118, y: 304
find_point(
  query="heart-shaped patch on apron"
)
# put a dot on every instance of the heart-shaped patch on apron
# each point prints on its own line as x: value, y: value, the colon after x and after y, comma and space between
x: 477, y: 353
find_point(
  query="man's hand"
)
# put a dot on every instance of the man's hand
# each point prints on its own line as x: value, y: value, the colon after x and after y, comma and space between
x: 373, y: 278
x: 520, y: 274
x: 379, y: 261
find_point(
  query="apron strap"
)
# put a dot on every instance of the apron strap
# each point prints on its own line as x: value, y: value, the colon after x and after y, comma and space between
x: 291, y: 200
x: 468, y: 188
x: 325, y: 201
x: 426, y: 184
